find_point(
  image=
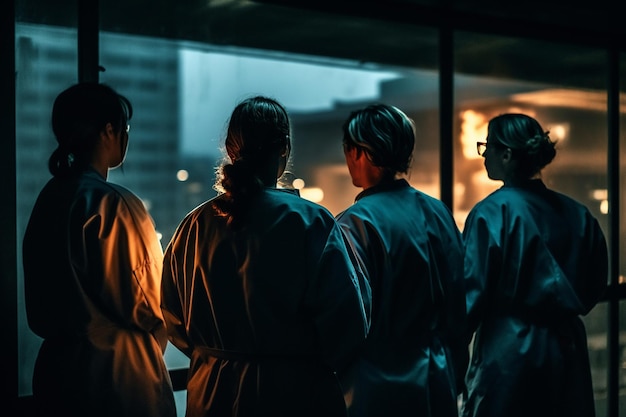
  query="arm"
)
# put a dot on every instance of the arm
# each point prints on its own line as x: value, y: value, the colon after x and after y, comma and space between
x: 480, y: 261
x: 171, y: 291
x: 124, y: 239
x: 336, y: 298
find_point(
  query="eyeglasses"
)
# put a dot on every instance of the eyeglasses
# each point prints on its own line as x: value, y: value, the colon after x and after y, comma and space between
x: 481, y: 147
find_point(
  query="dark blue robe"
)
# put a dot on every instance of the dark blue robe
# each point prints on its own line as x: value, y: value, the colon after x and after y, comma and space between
x: 535, y: 261
x: 412, y: 253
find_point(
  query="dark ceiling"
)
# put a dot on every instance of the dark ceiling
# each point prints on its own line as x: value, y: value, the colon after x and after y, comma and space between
x: 395, y: 32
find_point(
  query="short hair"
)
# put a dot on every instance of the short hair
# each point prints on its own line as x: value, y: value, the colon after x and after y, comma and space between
x: 385, y: 133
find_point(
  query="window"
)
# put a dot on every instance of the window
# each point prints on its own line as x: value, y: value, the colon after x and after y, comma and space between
x: 184, y: 80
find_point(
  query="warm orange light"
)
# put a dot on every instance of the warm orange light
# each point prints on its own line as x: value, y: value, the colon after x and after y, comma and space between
x: 473, y: 129
x: 298, y: 183
x: 313, y: 194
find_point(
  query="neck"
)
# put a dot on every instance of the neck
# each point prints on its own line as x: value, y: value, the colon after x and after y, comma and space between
x: 102, y: 170
x: 268, y: 173
x: 377, y: 177
x: 513, y: 181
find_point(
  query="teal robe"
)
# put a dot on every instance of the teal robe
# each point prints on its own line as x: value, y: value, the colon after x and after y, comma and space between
x: 411, y: 250
x: 535, y: 261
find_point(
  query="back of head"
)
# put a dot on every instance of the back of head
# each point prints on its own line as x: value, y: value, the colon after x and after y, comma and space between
x: 530, y: 144
x: 385, y: 133
x: 79, y: 114
x: 258, y: 129
x: 258, y: 125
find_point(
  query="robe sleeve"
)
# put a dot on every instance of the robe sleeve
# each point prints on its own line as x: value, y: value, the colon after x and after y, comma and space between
x: 173, y: 302
x: 121, y: 246
x: 481, y: 260
x: 339, y: 298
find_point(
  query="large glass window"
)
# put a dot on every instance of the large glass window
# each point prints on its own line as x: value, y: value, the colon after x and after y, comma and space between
x: 46, y: 62
x: 622, y: 235
x: 182, y: 94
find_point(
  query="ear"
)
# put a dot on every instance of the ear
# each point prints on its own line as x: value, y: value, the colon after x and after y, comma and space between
x: 507, y: 155
x: 107, y: 133
x: 355, y: 152
x: 350, y: 153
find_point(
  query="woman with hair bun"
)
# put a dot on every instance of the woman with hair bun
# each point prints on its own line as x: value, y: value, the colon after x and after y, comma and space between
x: 535, y: 262
x: 92, y: 272
x: 259, y: 289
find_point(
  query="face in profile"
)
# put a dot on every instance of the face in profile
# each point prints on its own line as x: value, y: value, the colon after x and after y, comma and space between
x: 494, y: 160
x: 122, y: 146
x: 350, y: 154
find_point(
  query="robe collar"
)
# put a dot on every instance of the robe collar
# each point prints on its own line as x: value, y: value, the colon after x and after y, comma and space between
x: 531, y: 184
x: 392, y: 185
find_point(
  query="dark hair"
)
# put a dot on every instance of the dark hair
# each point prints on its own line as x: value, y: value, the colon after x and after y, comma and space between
x: 258, y: 127
x: 531, y: 145
x: 79, y: 114
x: 385, y: 133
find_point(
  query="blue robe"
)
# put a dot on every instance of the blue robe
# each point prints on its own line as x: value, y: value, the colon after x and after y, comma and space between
x: 268, y: 312
x: 535, y: 261
x: 92, y: 273
x: 412, y: 253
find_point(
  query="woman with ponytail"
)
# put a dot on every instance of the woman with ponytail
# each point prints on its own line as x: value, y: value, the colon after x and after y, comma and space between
x: 259, y: 289
x: 535, y: 262
x: 92, y: 271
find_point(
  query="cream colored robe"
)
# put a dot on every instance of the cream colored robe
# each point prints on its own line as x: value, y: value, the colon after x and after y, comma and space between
x: 266, y: 313
x: 92, y: 272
